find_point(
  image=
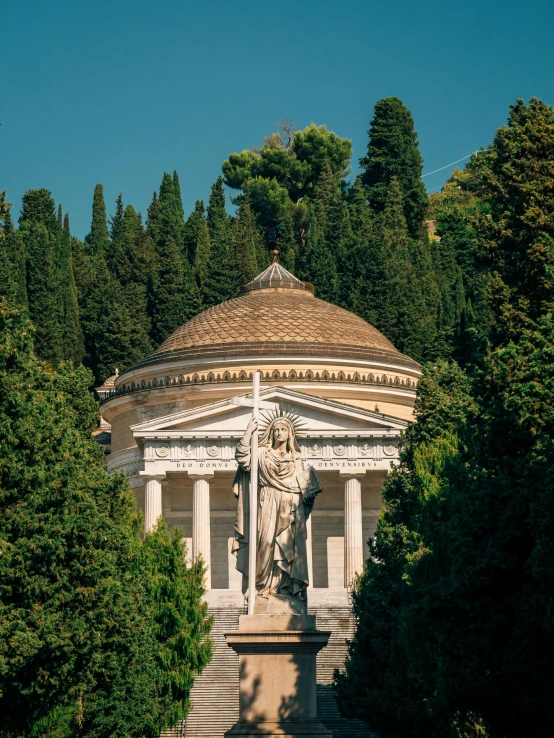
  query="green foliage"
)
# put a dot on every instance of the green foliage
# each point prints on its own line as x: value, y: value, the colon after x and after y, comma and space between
x: 393, y: 152
x: 173, y: 295
x: 41, y: 289
x: 388, y: 293
x: 98, y: 238
x: 197, y: 237
x: 181, y: 622
x: 287, y: 169
x: 247, y: 244
x: 71, y: 616
x: 13, y: 286
x: 200, y: 247
x: 389, y: 694
x: 100, y: 635
x: 286, y: 244
x: 219, y: 284
x: 121, y: 335
x: 71, y: 333
x: 455, y: 612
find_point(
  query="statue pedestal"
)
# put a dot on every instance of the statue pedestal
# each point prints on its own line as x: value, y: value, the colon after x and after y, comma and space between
x: 277, y: 676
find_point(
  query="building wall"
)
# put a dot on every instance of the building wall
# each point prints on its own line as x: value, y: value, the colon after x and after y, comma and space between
x: 327, y: 524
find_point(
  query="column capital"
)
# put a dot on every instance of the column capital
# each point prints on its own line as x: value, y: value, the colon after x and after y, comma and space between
x: 352, y: 473
x: 207, y: 475
x: 146, y: 475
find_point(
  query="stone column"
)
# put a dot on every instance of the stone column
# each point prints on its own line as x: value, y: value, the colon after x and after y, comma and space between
x: 201, y: 541
x: 152, y: 500
x: 309, y: 552
x: 353, y: 537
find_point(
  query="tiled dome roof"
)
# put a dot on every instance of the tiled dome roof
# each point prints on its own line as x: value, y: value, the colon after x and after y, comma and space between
x: 276, y: 314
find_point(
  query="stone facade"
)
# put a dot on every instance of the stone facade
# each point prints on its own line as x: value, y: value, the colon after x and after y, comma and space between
x: 176, y: 418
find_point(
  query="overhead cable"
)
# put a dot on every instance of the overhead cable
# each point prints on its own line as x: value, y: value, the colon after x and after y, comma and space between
x: 449, y: 165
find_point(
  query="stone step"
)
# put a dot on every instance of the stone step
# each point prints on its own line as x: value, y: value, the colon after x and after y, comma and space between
x: 215, y: 695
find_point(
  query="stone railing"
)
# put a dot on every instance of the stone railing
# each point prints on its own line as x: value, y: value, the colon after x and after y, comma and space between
x: 195, y: 379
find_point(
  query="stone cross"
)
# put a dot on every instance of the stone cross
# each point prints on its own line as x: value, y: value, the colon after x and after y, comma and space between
x: 255, y: 404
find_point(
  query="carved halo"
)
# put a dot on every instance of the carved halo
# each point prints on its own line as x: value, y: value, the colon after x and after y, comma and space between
x: 297, y: 423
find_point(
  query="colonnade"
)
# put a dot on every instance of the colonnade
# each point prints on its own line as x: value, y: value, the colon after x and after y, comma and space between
x: 201, y: 522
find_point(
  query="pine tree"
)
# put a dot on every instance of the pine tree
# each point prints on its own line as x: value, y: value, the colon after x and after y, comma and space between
x: 393, y: 151
x: 98, y: 238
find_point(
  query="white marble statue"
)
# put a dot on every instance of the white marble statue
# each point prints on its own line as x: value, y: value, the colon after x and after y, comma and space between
x: 286, y: 494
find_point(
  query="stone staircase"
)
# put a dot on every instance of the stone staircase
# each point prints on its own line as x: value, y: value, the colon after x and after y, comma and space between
x: 215, y: 695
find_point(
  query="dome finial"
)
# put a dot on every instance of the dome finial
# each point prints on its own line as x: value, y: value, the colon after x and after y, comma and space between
x: 275, y: 253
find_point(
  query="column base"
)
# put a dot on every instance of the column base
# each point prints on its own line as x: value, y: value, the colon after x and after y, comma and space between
x: 279, y: 729
x: 277, y: 676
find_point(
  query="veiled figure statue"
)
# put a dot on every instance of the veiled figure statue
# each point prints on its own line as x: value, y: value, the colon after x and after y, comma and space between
x: 286, y: 494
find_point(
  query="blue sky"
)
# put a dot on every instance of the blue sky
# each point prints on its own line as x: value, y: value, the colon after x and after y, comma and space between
x: 117, y: 92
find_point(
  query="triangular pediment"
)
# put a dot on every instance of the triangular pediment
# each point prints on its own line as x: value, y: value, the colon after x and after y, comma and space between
x: 228, y: 418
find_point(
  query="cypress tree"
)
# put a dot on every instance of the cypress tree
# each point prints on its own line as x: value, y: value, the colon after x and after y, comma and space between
x: 180, y: 616
x: 38, y: 227
x: 131, y: 252
x: 71, y: 334
x: 318, y: 264
x: 116, y: 231
x: 171, y: 215
x: 98, y: 237
x: 428, y: 276
x: 334, y: 231
x: 193, y: 227
x: 247, y: 244
x: 490, y: 562
x: 179, y: 210
x: 361, y: 215
x: 219, y: 285
x: 74, y: 615
x: 455, y: 612
x: 448, y: 275
x: 391, y: 696
x: 38, y: 206
x: 121, y: 335
x: 169, y: 298
x: 388, y: 294
x: 12, y: 265
x: 286, y: 244
x: 393, y: 151
x: 202, y: 252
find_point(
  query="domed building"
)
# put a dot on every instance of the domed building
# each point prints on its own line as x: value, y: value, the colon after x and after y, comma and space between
x: 176, y: 418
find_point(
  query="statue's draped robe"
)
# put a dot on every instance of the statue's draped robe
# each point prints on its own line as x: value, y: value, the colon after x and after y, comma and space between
x: 282, y: 562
